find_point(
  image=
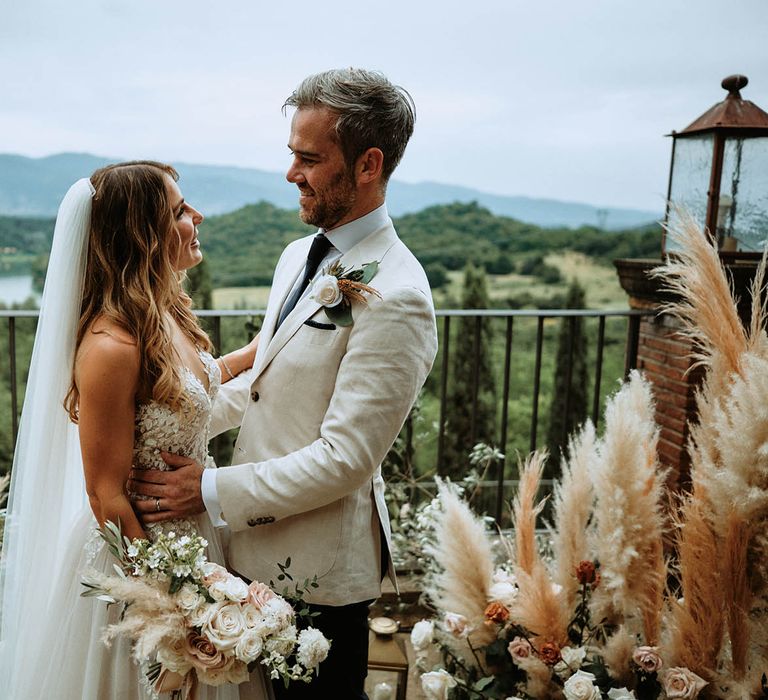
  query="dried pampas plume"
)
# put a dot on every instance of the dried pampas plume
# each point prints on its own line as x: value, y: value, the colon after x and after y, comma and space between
x: 463, y: 555
x: 629, y: 520
x: 539, y: 606
x: 572, y: 511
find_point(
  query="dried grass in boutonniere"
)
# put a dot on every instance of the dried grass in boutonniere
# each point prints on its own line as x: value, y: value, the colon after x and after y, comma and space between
x: 338, y: 287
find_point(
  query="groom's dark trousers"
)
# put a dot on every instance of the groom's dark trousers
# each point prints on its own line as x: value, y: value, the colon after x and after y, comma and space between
x: 342, y: 674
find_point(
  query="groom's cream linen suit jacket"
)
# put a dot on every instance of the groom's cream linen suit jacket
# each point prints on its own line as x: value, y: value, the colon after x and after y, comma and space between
x: 318, y: 412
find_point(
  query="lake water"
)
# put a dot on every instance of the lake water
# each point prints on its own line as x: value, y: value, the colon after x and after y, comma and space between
x: 16, y: 288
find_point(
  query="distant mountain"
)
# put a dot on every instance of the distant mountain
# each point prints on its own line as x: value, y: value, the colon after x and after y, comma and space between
x: 34, y: 186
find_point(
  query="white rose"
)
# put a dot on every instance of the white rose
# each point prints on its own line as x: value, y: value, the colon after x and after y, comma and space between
x: 313, y: 647
x: 570, y: 660
x: 252, y: 616
x: 188, y: 598
x: 224, y: 626
x: 249, y: 647
x: 201, y: 614
x: 234, y: 673
x: 621, y: 694
x: 325, y: 290
x: 422, y: 634
x: 235, y: 589
x: 436, y: 684
x: 503, y: 592
x: 457, y: 625
x: 504, y: 576
x: 581, y: 686
x: 682, y: 683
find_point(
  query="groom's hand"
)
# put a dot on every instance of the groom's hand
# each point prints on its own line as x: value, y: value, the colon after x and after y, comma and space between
x: 172, y: 494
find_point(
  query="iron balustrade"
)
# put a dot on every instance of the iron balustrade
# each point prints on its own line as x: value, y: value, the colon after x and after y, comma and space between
x: 446, y: 319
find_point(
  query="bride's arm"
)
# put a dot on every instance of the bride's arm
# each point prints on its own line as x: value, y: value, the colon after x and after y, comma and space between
x: 237, y: 361
x: 107, y: 374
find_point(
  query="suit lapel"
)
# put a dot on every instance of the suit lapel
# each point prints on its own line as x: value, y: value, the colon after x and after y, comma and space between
x: 373, y: 247
x: 279, y: 293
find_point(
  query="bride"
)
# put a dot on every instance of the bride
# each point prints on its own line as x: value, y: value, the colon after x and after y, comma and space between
x: 120, y: 371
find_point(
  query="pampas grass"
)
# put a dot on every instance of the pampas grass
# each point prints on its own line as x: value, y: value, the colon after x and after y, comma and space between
x: 617, y: 654
x: 696, y: 623
x: 705, y: 306
x: 151, y: 617
x: 572, y: 506
x: 463, y: 554
x: 538, y: 606
x: 525, y: 510
x: 629, y: 521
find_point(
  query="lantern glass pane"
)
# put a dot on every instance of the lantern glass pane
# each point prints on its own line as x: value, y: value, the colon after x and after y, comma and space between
x: 691, y: 171
x: 743, y: 213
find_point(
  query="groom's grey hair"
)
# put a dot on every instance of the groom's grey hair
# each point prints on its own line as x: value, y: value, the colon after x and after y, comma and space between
x: 372, y: 112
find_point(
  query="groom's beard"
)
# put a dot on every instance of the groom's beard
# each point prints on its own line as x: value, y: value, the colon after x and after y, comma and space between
x: 329, y: 205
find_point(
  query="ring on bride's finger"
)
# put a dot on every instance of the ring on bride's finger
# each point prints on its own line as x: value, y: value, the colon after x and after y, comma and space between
x: 157, y: 505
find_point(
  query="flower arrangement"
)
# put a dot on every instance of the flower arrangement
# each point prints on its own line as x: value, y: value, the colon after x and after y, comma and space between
x: 197, y: 621
x: 604, y: 618
x: 338, y: 287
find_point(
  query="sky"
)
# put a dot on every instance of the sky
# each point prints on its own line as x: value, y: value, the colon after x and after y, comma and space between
x: 567, y: 99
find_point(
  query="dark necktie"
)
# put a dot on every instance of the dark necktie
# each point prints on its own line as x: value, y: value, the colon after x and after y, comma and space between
x: 317, y: 251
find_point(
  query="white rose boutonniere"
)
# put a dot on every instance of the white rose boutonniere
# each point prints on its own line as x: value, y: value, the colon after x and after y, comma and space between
x: 338, y: 287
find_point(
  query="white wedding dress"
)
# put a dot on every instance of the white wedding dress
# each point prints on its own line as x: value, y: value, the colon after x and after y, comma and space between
x: 73, y: 662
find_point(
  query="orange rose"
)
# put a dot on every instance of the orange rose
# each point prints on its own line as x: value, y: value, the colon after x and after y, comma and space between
x: 586, y: 573
x: 549, y: 653
x: 497, y: 612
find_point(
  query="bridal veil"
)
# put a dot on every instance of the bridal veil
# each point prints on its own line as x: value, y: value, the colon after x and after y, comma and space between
x: 47, y: 485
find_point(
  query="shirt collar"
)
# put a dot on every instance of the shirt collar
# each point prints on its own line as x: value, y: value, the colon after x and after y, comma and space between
x: 347, y: 236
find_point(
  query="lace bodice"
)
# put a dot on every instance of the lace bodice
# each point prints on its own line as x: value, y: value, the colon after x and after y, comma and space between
x: 183, y: 432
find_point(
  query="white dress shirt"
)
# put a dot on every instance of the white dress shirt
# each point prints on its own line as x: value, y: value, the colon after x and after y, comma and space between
x: 342, y: 239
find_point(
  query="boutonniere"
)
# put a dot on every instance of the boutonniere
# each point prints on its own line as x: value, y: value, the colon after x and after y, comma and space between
x: 338, y: 287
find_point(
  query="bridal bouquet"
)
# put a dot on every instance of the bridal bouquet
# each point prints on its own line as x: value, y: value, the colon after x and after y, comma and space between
x: 199, y: 622
x: 602, y: 617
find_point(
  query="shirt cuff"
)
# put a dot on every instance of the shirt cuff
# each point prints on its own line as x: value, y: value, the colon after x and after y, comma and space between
x: 211, y: 498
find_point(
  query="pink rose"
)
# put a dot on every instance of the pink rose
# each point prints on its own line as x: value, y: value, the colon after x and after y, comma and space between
x: 457, y: 625
x: 519, y: 648
x: 203, y: 654
x: 682, y: 683
x: 648, y: 659
x: 259, y: 594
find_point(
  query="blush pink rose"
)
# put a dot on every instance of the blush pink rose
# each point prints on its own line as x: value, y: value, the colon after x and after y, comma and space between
x: 259, y: 594
x: 682, y: 683
x: 648, y: 659
x: 519, y: 648
x: 203, y: 654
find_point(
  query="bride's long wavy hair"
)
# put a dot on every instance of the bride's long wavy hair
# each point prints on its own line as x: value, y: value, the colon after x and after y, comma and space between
x: 131, y: 279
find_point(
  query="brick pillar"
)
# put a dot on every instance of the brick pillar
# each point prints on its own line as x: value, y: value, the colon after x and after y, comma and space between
x: 664, y: 356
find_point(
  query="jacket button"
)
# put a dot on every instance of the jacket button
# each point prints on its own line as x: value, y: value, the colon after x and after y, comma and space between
x: 255, y: 395
x: 252, y: 522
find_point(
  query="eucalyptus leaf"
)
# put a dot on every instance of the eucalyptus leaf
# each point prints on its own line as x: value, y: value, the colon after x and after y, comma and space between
x: 369, y: 270
x: 341, y: 314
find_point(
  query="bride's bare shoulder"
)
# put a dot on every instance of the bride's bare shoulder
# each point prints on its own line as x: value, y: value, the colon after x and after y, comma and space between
x: 106, y: 346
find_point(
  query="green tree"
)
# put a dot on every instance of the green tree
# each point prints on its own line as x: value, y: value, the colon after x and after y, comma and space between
x: 471, y: 381
x: 568, y: 409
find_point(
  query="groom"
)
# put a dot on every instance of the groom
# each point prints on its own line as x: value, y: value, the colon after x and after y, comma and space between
x: 324, y: 401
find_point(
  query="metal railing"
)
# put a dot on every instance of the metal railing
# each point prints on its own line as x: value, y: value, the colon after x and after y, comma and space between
x: 509, y: 319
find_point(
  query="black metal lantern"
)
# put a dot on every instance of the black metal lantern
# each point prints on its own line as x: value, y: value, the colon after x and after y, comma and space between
x: 719, y: 173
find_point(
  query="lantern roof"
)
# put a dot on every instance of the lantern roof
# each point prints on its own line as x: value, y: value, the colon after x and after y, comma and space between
x: 732, y: 114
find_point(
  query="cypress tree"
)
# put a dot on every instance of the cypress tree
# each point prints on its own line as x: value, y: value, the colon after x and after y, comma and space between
x: 470, y: 359
x: 568, y: 409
